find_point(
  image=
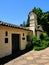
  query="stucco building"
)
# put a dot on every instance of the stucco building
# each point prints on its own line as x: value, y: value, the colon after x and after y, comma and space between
x: 14, y: 38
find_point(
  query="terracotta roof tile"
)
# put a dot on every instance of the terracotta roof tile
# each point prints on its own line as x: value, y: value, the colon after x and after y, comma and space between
x: 13, y: 25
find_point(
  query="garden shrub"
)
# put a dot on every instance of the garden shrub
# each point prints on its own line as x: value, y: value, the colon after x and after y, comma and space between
x: 43, y: 36
x: 36, y: 41
x: 45, y: 39
x: 40, y: 43
x: 39, y: 48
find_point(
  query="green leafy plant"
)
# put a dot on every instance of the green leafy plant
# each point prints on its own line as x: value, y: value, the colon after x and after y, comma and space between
x: 36, y: 41
x: 40, y: 43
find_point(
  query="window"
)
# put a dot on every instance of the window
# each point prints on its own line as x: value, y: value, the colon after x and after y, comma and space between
x: 23, y: 34
x: 6, y: 40
x: 6, y: 33
x: 28, y: 38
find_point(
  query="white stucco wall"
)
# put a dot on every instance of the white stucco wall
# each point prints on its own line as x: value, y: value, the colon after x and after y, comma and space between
x: 39, y: 33
x: 6, y: 48
x: 33, y: 22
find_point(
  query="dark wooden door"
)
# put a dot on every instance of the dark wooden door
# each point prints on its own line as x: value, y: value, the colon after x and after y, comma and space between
x: 15, y: 42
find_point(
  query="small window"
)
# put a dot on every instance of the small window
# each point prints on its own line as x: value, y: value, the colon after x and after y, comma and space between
x: 6, y: 40
x: 23, y: 34
x: 28, y: 38
x: 6, y: 33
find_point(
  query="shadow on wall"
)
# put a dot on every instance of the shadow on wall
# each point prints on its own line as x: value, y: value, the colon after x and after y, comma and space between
x: 13, y: 56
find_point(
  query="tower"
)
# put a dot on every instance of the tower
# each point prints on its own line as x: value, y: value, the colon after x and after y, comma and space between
x: 33, y: 22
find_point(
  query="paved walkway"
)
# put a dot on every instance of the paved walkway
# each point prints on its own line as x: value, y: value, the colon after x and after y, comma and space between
x: 32, y: 58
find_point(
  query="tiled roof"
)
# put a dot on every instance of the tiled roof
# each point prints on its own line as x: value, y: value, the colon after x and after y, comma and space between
x: 13, y: 26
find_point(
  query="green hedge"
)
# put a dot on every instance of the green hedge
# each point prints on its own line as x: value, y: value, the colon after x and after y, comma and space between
x: 40, y: 43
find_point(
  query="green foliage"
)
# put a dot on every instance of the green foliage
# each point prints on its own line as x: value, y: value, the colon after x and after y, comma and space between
x: 43, y: 36
x: 36, y: 41
x: 39, y: 48
x: 24, y: 24
x: 38, y: 12
x: 45, y: 39
x: 40, y: 43
x: 27, y: 23
x: 42, y: 18
x: 21, y: 25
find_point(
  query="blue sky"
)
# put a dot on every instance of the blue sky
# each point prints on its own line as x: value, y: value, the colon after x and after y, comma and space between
x: 16, y: 11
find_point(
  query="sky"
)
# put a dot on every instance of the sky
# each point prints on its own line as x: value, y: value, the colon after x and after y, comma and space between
x: 16, y: 11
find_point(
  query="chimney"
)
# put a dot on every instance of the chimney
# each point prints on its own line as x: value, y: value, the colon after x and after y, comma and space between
x: 33, y: 22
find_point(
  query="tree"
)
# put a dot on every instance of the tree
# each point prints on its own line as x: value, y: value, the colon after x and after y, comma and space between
x: 28, y: 22
x: 42, y: 19
x: 47, y: 15
x: 23, y: 25
x: 38, y: 12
